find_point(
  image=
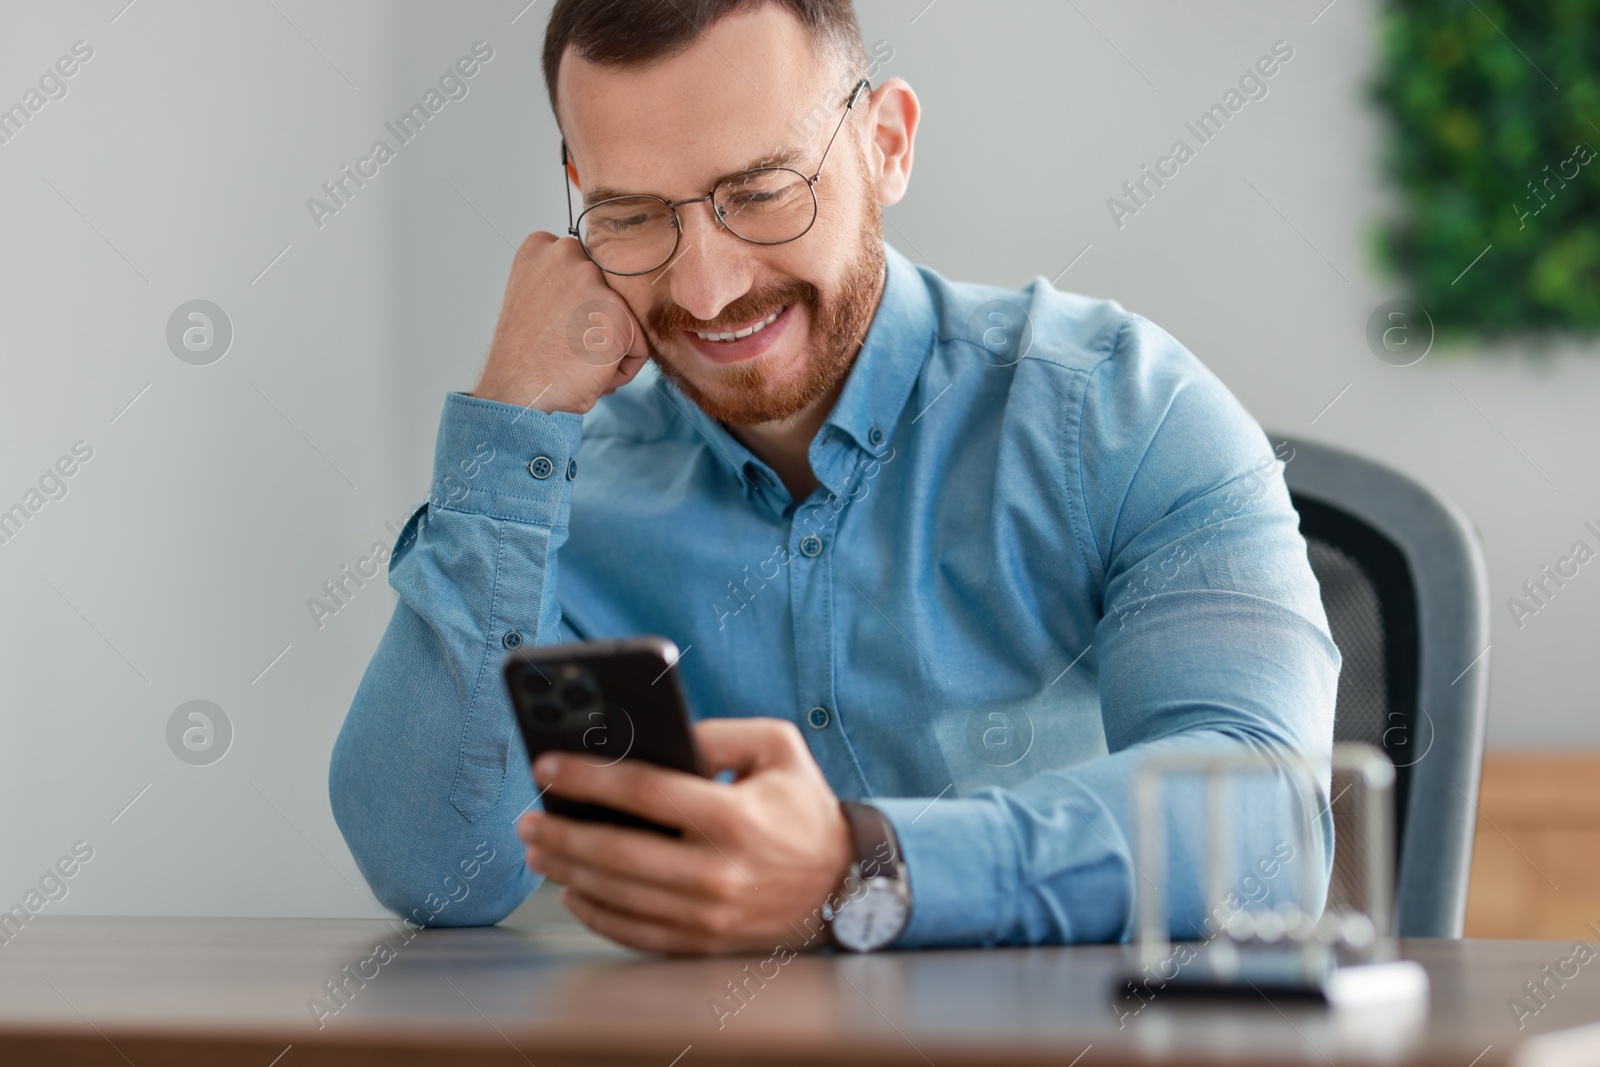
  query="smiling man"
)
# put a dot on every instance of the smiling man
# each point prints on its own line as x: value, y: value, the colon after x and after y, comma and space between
x: 947, y: 562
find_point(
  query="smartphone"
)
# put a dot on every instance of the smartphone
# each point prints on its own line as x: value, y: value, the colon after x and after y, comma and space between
x: 604, y: 701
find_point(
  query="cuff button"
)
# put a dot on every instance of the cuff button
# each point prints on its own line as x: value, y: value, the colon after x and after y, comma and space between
x: 512, y: 639
x: 572, y: 469
x: 541, y: 467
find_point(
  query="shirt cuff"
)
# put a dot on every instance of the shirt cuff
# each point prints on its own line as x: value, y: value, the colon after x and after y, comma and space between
x: 960, y: 859
x: 505, y: 461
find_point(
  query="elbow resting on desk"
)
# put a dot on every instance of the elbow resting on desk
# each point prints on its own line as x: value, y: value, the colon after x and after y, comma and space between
x: 478, y: 879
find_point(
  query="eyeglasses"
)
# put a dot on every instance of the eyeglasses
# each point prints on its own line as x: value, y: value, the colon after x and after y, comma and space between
x: 629, y: 235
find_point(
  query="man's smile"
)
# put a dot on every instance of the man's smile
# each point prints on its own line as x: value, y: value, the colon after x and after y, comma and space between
x: 737, y: 334
x: 744, y: 342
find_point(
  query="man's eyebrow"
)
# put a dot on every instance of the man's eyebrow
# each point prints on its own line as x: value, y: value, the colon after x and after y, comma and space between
x: 782, y: 157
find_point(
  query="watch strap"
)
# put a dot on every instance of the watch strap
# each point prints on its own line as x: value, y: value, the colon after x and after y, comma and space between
x: 877, y: 849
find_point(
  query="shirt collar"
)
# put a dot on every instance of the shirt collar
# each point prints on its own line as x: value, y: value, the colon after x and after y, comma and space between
x: 892, y: 356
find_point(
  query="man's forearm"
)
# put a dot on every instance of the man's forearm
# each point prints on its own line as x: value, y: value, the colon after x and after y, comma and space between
x: 1210, y: 670
x: 426, y: 773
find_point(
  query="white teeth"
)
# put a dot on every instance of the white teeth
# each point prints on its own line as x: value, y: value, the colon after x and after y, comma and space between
x: 746, y: 332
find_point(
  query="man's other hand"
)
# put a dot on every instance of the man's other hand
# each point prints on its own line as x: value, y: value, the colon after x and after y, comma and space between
x: 757, y: 858
x: 565, y: 338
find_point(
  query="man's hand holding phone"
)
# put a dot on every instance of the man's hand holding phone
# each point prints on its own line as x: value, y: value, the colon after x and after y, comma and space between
x: 565, y: 338
x: 756, y: 858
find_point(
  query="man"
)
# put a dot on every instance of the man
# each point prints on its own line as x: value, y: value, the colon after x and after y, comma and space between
x: 961, y: 557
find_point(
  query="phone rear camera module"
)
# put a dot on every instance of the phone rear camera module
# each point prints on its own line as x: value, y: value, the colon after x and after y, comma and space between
x: 546, y: 714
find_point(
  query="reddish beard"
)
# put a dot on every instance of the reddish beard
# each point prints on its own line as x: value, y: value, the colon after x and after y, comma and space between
x: 745, y: 394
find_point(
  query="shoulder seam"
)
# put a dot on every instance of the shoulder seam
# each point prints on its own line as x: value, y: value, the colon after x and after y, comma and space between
x: 1089, y: 545
x: 1155, y: 431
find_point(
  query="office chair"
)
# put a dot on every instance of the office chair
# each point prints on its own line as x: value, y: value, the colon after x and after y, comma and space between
x: 1407, y: 597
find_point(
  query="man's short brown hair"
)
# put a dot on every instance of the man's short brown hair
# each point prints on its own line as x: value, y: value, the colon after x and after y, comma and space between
x: 627, y: 32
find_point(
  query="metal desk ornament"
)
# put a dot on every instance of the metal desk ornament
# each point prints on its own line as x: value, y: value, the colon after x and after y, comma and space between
x: 1344, y: 957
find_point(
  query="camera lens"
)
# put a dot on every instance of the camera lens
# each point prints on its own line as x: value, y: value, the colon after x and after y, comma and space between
x: 577, y: 695
x: 546, y: 714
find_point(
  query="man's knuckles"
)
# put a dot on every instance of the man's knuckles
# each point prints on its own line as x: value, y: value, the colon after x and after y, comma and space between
x: 763, y: 741
x: 720, y: 881
x: 789, y: 744
x: 533, y: 246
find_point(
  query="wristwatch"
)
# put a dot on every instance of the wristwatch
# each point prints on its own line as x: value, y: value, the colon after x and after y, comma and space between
x: 876, y: 905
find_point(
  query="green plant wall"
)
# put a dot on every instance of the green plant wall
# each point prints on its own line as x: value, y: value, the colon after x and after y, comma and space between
x: 1495, y: 126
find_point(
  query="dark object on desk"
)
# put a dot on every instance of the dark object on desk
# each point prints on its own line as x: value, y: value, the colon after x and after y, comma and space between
x: 604, y: 701
x: 1286, y: 972
x: 1407, y: 596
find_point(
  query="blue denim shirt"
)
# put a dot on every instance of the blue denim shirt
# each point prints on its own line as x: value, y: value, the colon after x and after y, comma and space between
x: 1047, y: 544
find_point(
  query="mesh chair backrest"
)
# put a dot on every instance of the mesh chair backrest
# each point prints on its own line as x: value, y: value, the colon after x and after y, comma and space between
x: 1370, y: 599
x: 1407, y: 597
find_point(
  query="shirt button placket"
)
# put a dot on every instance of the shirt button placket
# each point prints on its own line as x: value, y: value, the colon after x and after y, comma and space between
x: 812, y: 611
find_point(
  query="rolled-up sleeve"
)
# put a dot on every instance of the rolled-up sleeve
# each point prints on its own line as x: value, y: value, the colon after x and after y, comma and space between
x: 1211, y: 641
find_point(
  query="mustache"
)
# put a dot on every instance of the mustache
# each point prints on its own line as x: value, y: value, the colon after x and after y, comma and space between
x: 757, y: 304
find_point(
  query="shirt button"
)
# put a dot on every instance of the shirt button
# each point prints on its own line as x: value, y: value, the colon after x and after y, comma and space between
x: 572, y: 469
x: 817, y: 717
x: 811, y: 545
x: 875, y: 437
x: 541, y: 467
x: 512, y: 639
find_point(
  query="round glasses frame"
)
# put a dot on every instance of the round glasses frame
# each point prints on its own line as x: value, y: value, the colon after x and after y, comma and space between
x: 717, y: 212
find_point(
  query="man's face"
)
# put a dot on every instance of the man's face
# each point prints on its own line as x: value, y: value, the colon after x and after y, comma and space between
x: 750, y: 84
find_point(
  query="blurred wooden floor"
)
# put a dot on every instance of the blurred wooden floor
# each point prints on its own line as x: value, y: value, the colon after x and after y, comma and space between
x: 1536, y: 858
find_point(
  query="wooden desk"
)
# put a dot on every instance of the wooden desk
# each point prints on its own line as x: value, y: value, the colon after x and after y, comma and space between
x: 235, y: 991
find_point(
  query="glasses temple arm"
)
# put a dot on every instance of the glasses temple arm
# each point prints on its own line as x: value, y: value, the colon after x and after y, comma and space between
x: 849, y: 105
x: 566, y: 183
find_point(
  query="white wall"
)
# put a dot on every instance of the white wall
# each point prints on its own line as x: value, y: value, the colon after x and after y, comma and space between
x: 186, y: 548
x: 183, y: 554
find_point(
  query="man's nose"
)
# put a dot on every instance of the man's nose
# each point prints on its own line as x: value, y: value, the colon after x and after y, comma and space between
x: 711, y: 269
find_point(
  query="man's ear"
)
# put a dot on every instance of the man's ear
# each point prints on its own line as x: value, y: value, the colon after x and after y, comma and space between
x: 894, y: 115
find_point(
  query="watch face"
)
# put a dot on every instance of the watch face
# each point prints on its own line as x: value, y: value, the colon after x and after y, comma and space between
x: 872, y: 921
